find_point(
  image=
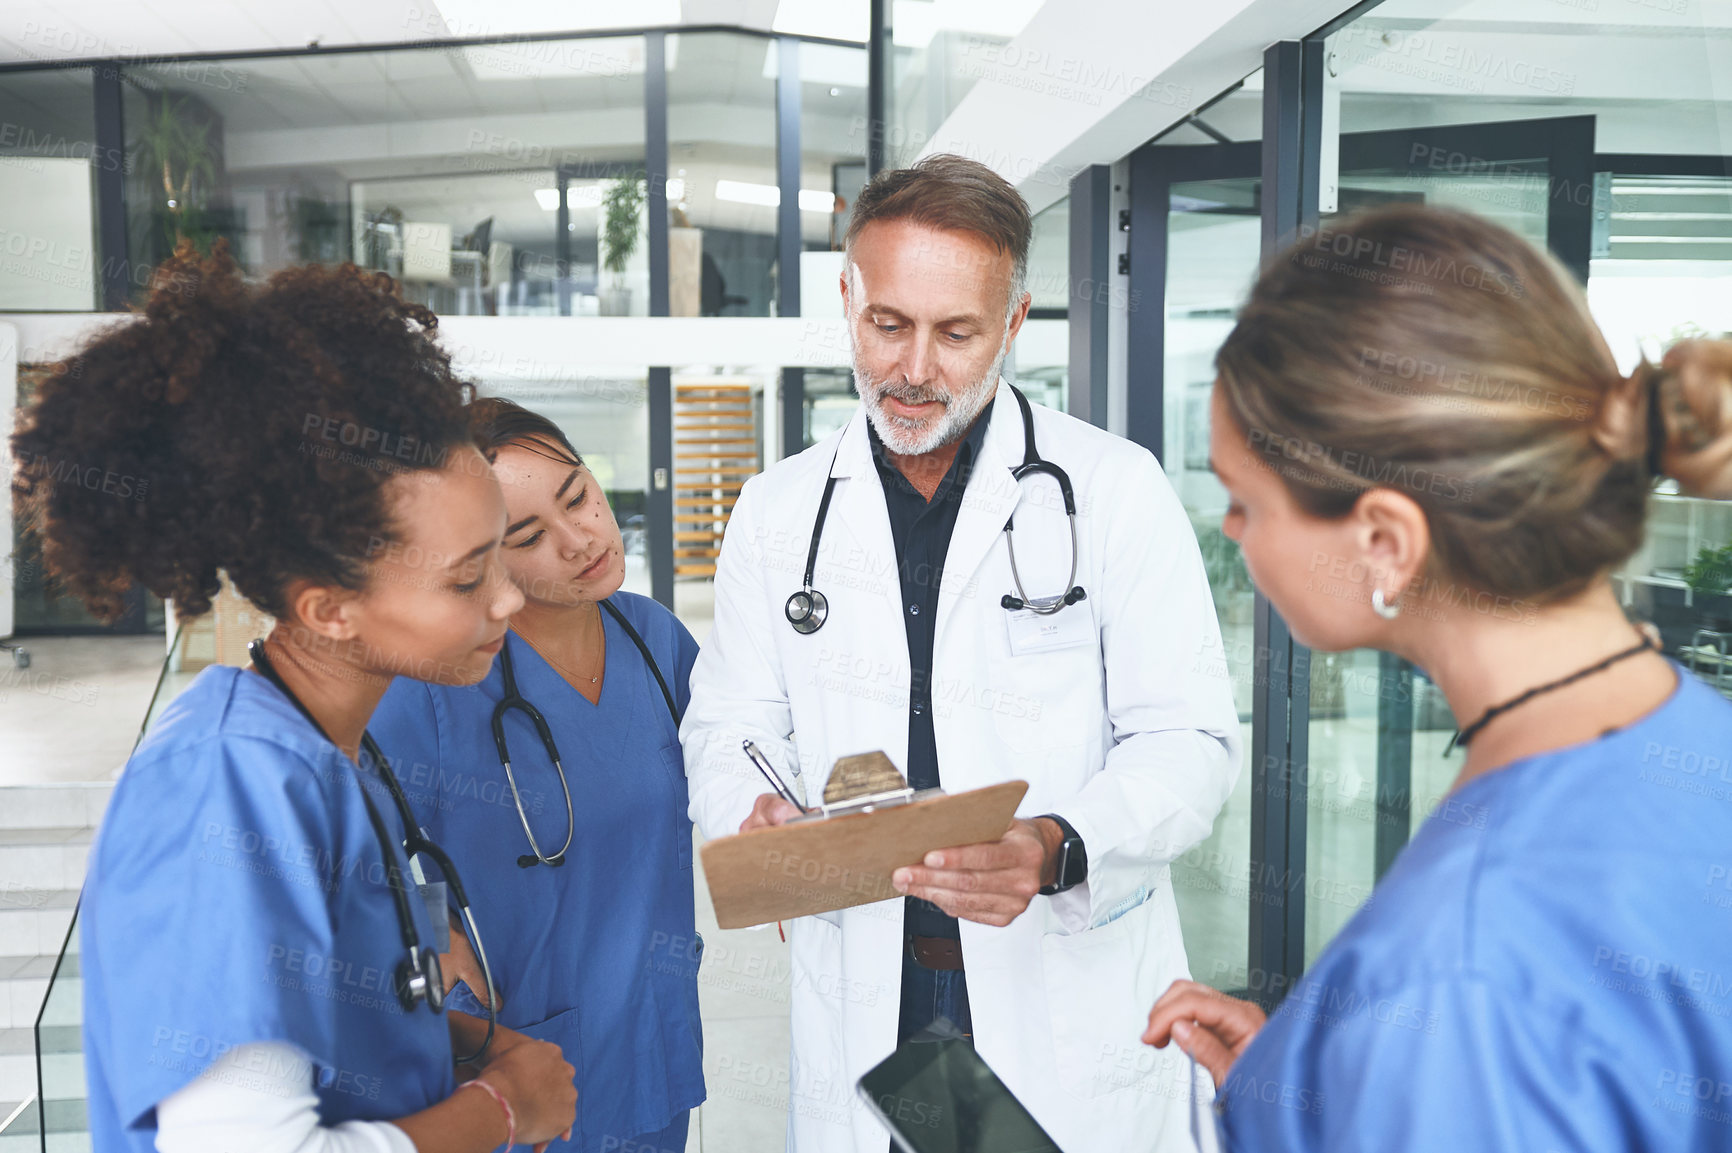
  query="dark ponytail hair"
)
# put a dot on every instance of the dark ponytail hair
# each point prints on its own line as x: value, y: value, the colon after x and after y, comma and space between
x: 497, y: 422
x: 257, y: 424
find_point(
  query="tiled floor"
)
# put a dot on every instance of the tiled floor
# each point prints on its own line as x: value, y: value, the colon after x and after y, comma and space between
x: 74, y: 713
x: 743, y: 988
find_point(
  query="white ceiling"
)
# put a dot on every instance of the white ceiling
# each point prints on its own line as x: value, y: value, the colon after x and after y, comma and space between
x: 58, y: 30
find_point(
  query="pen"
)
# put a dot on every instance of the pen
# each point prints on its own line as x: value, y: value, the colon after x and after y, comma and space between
x: 769, y: 771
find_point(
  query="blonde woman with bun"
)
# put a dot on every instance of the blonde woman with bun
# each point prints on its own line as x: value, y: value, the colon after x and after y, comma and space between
x: 1420, y: 400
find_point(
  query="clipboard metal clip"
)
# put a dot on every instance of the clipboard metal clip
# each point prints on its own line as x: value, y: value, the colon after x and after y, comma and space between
x: 865, y: 783
x: 869, y: 802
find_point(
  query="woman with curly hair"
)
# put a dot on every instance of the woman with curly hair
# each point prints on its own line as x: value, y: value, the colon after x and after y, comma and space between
x: 1429, y: 450
x: 257, y: 974
x: 581, y: 854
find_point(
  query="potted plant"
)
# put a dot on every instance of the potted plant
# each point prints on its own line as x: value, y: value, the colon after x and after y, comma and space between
x: 621, y: 207
x: 1710, y: 579
x: 176, y: 150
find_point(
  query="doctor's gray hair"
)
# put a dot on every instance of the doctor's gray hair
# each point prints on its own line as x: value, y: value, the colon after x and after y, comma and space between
x: 954, y: 194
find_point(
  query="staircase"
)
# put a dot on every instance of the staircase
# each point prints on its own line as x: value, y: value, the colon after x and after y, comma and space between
x: 45, y: 836
x: 715, y: 452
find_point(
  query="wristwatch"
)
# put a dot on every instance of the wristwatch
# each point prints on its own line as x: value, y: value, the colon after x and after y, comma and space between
x: 1073, y: 859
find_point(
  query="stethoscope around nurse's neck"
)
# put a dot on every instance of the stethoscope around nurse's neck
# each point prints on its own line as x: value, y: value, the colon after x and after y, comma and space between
x: 807, y: 609
x: 511, y: 699
x: 417, y: 978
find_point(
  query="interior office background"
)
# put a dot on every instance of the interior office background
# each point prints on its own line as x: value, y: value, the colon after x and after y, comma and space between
x: 635, y: 230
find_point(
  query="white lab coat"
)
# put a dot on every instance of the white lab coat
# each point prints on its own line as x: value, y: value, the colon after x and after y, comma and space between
x: 1131, y: 736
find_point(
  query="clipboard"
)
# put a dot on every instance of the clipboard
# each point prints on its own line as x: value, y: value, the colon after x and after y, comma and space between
x: 821, y: 863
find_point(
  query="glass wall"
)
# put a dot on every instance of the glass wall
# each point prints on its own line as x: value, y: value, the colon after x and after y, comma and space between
x: 1213, y: 233
x: 722, y: 154
x: 1042, y: 361
x: 833, y: 138
x: 502, y: 179
x: 1602, y: 139
x: 48, y: 165
x: 604, y: 411
x: 440, y: 166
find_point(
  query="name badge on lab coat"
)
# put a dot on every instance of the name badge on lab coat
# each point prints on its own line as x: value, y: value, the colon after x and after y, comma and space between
x: 1032, y: 632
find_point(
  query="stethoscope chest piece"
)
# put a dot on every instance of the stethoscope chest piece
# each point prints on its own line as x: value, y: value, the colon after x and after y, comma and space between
x: 419, y: 979
x: 807, y: 610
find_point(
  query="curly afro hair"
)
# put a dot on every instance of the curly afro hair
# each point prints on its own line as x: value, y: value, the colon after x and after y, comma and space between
x: 239, y: 428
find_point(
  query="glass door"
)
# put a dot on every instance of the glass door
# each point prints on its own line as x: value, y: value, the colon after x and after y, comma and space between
x: 1194, y: 251
x: 1368, y: 764
x: 1378, y: 728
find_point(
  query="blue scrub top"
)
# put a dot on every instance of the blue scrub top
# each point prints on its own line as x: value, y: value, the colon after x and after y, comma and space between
x: 1547, y: 966
x: 236, y: 893
x: 600, y: 955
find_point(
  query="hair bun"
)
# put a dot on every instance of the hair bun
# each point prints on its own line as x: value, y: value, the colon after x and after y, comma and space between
x: 195, y: 302
x: 1690, y: 417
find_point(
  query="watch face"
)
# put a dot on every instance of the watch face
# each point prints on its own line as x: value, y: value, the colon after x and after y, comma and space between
x: 1071, y: 868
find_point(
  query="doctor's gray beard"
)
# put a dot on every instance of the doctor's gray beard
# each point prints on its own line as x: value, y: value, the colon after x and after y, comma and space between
x: 907, y: 438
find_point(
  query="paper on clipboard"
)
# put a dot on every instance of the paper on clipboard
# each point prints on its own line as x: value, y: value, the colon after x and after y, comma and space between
x: 823, y: 863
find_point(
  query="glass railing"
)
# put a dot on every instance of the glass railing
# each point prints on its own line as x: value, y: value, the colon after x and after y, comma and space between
x: 60, y: 1055
x: 57, y: 1116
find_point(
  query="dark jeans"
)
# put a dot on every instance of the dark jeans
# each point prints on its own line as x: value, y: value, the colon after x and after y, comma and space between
x: 928, y: 994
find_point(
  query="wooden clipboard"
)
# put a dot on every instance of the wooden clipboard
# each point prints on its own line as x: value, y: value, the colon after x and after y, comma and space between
x: 817, y: 866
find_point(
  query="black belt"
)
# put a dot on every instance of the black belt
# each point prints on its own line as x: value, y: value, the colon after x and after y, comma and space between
x: 936, y: 952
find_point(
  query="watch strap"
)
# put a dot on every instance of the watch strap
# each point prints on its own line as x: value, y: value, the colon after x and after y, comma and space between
x: 1073, y: 861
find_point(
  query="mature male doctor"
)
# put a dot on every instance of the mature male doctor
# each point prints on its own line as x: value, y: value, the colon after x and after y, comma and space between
x: 1048, y: 945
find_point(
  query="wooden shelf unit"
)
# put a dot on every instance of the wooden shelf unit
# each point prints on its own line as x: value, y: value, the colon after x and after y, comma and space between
x: 715, y: 452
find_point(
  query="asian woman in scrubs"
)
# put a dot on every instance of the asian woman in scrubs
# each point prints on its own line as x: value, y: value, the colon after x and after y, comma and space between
x: 596, y: 953
x: 251, y: 954
x: 1428, y: 449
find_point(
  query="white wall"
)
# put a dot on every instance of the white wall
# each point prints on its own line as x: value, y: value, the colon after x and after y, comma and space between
x: 46, y: 234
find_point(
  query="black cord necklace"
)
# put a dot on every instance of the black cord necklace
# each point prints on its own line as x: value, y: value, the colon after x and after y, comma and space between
x: 1463, y: 736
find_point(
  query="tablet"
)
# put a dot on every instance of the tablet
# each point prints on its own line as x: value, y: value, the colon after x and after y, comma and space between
x: 940, y: 1097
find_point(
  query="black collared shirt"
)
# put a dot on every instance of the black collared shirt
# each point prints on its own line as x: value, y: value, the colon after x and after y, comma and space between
x: 921, y: 530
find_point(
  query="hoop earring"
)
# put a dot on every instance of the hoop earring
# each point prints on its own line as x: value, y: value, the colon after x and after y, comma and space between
x: 1382, y: 608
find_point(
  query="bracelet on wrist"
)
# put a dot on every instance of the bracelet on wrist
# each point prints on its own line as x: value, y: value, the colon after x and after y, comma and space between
x: 504, y: 1106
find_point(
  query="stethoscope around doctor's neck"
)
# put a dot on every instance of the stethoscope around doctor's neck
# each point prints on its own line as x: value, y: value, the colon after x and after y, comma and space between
x: 513, y: 699
x: 808, y: 609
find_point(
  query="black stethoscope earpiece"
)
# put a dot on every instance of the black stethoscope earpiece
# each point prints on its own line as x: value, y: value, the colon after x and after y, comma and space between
x: 1012, y: 603
x: 807, y: 609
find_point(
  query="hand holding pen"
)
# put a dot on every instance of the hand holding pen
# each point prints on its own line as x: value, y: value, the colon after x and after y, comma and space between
x: 775, y: 808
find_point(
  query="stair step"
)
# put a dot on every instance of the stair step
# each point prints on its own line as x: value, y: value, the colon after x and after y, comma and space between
x: 21, y: 1000
x: 16, y: 968
x: 46, y: 835
x: 33, y: 919
x: 20, y: 1121
x: 67, y: 1121
x: 18, y: 1069
x: 70, y: 805
x: 44, y: 858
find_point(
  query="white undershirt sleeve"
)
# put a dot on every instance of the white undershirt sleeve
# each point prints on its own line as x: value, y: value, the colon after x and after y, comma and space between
x: 259, y: 1097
